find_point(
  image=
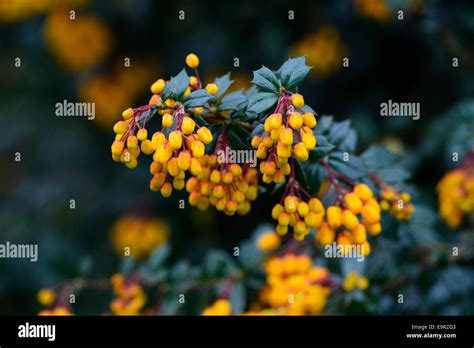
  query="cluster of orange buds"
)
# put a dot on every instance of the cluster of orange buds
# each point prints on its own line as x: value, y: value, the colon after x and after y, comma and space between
x: 130, y: 296
x: 182, y: 150
x: 294, y: 286
x: 229, y: 187
x: 286, y: 132
x: 129, y: 132
x: 348, y: 221
x: 456, y: 193
x: 397, y: 203
x: 293, y: 211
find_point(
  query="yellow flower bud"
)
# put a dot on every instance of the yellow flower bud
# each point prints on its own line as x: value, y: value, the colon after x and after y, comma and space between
x: 353, y: 202
x: 325, y: 234
x: 117, y: 147
x: 363, y: 191
x: 158, y: 86
x: 374, y: 229
x: 281, y: 230
x: 120, y: 127
x: 286, y: 136
x: 205, y: 135
x: 163, y: 153
x: 309, y: 141
x: 132, y: 142
x: 334, y: 215
x: 167, y: 120
x: 303, y: 209
x: 195, y: 167
x: 309, y: 120
x: 198, y: 110
x: 212, y: 88
x: 315, y: 205
x: 296, y: 120
x: 188, y: 125
x: 166, y: 190
x: 192, y: 61
x: 142, y: 134
x: 173, y: 168
x: 128, y: 113
x: 370, y: 214
x: 178, y: 184
x: 359, y: 234
x: 147, y: 147
x: 197, y: 148
x: 349, y: 220
x: 256, y: 140
x: 297, y: 100
x: 184, y: 160
x: 301, y: 152
x: 46, y: 297
x: 291, y: 204
x: 283, y: 219
x: 268, y: 241
x: 215, y: 177
x: 277, y: 209
x: 175, y: 140
x: 193, y: 81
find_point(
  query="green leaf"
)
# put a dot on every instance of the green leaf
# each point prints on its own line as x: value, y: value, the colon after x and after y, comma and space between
x: 293, y: 72
x: 301, y: 175
x: 315, y: 174
x: 159, y: 256
x: 218, y: 263
x: 232, y: 101
x: 324, y: 124
x: 223, y: 83
x: 349, y: 143
x: 339, y: 131
x: 176, y: 87
x: 238, y: 137
x: 378, y: 157
x: 261, y: 102
x: 196, y: 98
x: 307, y: 108
x: 323, y: 148
x: 353, y: 168
x: 200, y: 120
x: 266, y: 80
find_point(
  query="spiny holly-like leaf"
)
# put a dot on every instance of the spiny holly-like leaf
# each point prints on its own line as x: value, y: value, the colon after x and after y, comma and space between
x: 232, y: 101
x: 261, y: 102
x: 323, y: 148
x: 293, y: 72
x: 176, y: 87
x: 196, y: 98
x: 223, y: 83
x: 352, y: 168
x: 266, y: 80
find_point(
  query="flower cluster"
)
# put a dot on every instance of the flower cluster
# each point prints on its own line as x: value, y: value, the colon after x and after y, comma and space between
x: 80, y: 43
x: 324, y: 50
x: 138, y: 237
x: 286, y: 132
x: 456, y: 195
x: 349, y: 221
x: 219, y: 307
x: 130, y: 296
x: 299, y: 214
x: 397, y: 203
x: 293, y: 287
x: 353, y: 281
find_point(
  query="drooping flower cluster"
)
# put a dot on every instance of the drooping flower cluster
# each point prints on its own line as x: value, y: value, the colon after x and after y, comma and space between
x: 299, y: 214
x: 130, y: 298
x: 397, y: 203
x: 456, y: 195
x: 293, y: 287
x: 286, y: 133
x: 138, y: 237
x: 349, y: 221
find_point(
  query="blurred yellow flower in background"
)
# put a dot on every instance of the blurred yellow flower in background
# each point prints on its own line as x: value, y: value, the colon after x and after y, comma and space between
x: 377, y: 10
x: 324, y: 51
x: 78, y: 43
x: 115, y: 91
x: 140, y: 236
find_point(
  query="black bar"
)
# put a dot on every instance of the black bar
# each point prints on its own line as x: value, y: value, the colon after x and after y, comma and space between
x: 350, y: 330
